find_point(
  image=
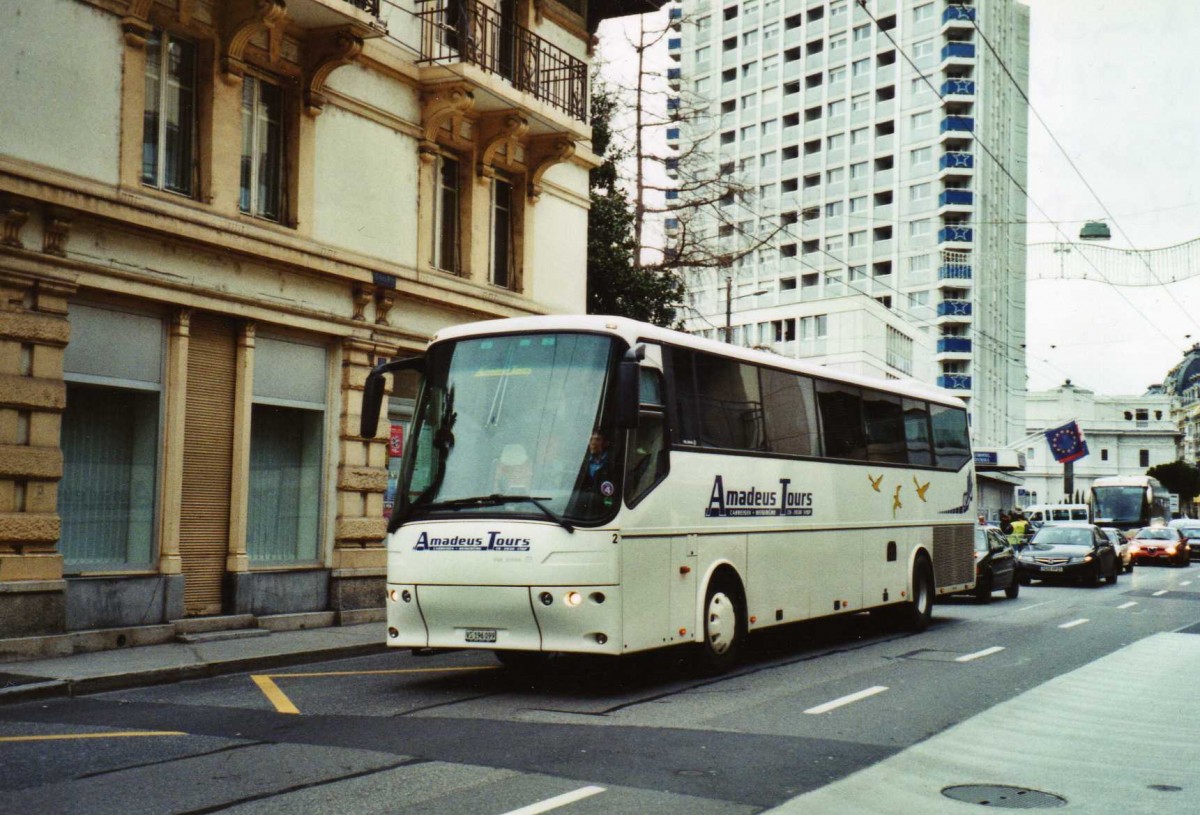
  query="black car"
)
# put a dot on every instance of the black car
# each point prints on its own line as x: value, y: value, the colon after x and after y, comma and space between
x: 995, y: 565
x: 1069, y: 551
x: 1190, y: 528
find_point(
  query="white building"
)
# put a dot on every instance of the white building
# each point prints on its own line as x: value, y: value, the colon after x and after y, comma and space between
x: 1126, y: 435
x: 887, y: 142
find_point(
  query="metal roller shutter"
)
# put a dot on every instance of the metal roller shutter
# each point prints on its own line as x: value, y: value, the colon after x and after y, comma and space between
x: 207, y: 463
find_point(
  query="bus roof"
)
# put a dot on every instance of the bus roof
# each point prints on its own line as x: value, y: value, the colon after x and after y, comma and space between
x: 1125, y: 481
x: 633, y: 331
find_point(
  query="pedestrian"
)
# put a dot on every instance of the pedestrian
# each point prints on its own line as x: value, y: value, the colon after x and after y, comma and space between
x: 1005, y: 524
x: 1020, y: 528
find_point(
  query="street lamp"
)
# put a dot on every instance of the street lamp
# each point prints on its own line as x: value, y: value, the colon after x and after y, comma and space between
x: 729, y: 298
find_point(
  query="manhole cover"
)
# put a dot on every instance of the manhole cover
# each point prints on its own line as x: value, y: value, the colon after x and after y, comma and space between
x: 996, y: 795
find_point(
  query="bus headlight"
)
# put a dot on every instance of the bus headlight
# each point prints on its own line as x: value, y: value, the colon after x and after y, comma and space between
x: 573, y: 598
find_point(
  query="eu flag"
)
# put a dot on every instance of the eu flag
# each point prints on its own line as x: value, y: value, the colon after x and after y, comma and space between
x: 1066, y: 443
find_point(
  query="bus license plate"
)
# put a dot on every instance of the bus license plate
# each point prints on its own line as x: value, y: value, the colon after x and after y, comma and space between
x: 481, y: 635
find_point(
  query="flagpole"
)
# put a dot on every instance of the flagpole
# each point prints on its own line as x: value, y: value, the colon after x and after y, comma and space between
x: 1069, y: 481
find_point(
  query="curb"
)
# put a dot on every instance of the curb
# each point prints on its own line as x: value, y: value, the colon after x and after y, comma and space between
x: 82, y: 686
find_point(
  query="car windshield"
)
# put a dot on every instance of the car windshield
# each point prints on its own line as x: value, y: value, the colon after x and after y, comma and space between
x: 1064, y: 536
x: 1158, y: 534
x: 981, y: 541
x: 1190, y: 531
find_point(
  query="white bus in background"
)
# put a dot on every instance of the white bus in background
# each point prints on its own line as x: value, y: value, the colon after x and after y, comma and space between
x: 1129, y: 502
x: 743, y: 490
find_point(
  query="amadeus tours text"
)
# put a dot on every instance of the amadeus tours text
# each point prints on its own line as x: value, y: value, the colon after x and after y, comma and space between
x: 755, y: 501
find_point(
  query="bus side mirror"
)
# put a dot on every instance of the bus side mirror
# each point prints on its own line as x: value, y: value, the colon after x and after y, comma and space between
x: 372, y: 401
x: 629, y: 373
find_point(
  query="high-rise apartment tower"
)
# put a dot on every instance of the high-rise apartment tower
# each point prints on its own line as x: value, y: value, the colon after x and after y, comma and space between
x: 882, y: 147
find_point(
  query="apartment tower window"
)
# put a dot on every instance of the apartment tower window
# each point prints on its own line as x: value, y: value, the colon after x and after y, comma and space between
x: 445, y: 243
x: 501, y: 233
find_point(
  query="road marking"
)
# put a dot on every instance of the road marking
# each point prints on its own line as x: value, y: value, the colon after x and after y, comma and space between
x: 1074, y: 623
x: 986, y: 652
x: 1186, y: 583
x: 1035, y: 605
x: 1130, y: 604
x: 128, y: 734
x: 557, y: 801
x: 846, y: 700
x: 1159, y: 593
x: 266, y: 682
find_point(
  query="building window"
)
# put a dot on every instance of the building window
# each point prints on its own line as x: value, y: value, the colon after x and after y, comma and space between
x: 169, y: 121
x: 862, y: 33
x: 445, y: 238
x: 106, y: 498
x: 920, y: 228
x: 921, y: 155
x: 922, y: 13
x: 502, y: 233
x: 1103, y: 455
x: 1143, y: 458
x: 287, y: 420
x: 262, y: 149
x: 920, y: 192
x: 921, y: 120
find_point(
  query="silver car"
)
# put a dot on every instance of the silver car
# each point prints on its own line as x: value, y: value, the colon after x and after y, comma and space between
x: 1120, y: 546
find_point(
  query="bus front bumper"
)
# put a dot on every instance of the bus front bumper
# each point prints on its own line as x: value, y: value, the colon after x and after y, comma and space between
x: 570, y: 619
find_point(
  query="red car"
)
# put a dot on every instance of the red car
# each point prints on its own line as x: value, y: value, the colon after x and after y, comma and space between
x: 1160, y: 544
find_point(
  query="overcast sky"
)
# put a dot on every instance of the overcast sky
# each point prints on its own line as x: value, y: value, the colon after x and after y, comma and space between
x: 1115, y: 83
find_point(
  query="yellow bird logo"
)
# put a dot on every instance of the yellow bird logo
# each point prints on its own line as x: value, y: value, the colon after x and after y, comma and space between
x: 896, y: 501
x: 875, y: 482
x: 921, y: 488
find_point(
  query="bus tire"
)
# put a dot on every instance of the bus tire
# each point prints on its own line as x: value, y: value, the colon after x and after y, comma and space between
x: 724, y: 625
x: 915, y: 614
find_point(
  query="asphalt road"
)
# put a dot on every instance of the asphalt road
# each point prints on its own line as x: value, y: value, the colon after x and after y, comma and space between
x: 455, y: 733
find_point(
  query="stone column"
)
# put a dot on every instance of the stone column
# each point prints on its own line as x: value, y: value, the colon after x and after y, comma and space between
x: 33, y: 335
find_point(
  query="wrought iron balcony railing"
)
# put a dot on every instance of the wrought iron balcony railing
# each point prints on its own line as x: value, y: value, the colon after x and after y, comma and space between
x: 369, y: 6
x: 468, y: 31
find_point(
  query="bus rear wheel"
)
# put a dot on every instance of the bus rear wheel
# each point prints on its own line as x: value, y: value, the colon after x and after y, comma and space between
x: 915, y: 614
x: 724, y: 626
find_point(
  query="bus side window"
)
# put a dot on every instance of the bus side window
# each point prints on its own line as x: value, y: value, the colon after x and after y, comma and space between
x: 646, y: 462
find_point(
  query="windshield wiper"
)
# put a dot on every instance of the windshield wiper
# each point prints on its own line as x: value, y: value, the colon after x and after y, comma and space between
x: 496, y: 499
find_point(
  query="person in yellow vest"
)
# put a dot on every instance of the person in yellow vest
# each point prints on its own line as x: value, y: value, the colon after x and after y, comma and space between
x: 1020, y: 528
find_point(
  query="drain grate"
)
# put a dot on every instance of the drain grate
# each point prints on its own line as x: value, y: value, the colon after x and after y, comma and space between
x: 998, y: 795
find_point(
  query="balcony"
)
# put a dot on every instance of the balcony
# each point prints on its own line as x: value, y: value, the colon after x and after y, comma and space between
x: 952, y: 162
x: 956, y: 198
x: 958, y: 51
x: 955, y: 308
x: 954, y: 271
x: 954, y: 345
x: 955, y: 382
x: 958, y: 124
x: 954, y: 14
x: 471, y: 33
x: 958, y: 87
x: 956, y: 234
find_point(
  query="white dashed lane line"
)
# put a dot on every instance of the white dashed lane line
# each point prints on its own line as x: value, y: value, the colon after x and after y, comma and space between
x: 846, y: 700
x: 1074, y: 623
x: 1159, y: 593
x: 986, y: 652
x: 557, y: 801
x: 1130, y: 604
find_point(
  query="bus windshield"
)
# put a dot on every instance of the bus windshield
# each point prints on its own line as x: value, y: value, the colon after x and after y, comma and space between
x: 1118, y: 504
x: 515, y: 425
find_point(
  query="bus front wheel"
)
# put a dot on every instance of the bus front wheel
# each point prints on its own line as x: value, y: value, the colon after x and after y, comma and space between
x: 724, y: 626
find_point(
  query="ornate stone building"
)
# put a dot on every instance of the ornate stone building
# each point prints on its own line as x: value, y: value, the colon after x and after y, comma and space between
x: 216, y: 216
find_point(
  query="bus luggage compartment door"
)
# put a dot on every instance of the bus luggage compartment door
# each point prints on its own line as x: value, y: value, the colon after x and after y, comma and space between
x: 479, y: 617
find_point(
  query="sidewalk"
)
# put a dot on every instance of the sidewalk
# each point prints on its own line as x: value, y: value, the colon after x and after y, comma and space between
x: 255, y: 649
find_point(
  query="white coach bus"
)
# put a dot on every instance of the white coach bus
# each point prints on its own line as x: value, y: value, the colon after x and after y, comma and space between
x: 598, y: 485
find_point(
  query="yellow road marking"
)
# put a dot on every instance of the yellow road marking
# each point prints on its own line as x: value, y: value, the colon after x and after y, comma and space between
x: 121, y: 735
x: 266, y: 682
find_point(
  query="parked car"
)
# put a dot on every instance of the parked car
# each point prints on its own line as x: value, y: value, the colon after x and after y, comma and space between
x: 1069, y: 551
x: 995, y: 565
x: 1190, y: 527
x: 1121, y: 547
x: 1160, y: 544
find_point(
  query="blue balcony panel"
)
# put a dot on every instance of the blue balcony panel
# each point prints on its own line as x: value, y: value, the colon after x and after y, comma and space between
x: 958, y: 87
x: 954, y: 308
x: 672, y: 134
x: 954, y: 382
x: 965, y: 123
x: 954, y: 271
x: 958, y: 13
x: 959, y: 50
x: 677, y: 13
x: 956, y: 234
x: 674, y: 73
x: 956, y: 198
x: 957, y: 161
x: 954, y: 345
x: 675, y: 43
